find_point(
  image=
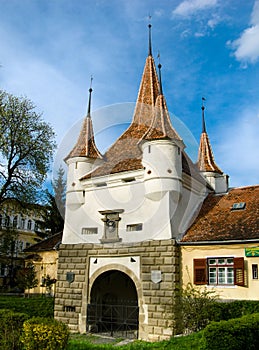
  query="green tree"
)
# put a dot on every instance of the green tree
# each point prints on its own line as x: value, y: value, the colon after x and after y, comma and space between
x: 59, y: 188
x: 26, y: 277
x: 53, y: 218
x: 26, y: 148
x: 8, y: 252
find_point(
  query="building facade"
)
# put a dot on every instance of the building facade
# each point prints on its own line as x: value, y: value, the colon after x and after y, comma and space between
x: 127, y: 213
x: 18, y: 231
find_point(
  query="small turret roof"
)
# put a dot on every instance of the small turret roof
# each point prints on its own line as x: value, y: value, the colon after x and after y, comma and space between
x: 206, y: 160
x: 161, y: 126
x: 85, y: 146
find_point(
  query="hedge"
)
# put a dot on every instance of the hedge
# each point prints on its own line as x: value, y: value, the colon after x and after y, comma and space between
x: 34, y: 306
x: 235, y: 334
x: 11, y: 324
x: 44, y: 334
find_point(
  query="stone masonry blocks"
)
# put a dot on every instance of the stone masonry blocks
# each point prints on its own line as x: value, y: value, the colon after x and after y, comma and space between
x: 158, y: 298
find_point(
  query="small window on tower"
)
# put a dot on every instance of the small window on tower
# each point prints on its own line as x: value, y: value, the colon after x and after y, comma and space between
x: 134, y: 227
x: 149, y: 149
x: 89, y: 230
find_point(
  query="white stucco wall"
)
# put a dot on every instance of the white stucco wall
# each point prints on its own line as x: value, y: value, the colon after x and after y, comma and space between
x: 160, y: 219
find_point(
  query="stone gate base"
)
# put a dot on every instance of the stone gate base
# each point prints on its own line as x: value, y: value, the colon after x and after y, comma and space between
x: 153, y: 266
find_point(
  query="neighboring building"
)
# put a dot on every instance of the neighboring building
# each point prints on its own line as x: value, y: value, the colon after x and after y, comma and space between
x: 18, y: 230
x: 221, y: 248
x: 133, y: 218
x: 44, y: 256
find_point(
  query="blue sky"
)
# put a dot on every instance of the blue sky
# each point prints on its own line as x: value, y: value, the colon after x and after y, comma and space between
x: 50, y: 48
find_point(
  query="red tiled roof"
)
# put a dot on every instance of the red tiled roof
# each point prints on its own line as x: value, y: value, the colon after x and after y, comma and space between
x: 151, y: 121
x: 161, y: 127
x: 85, y: 146
x: 46, y: 244
x: 206, y: 160
x: 148, y: 92
x: 217, y: 221
x: 125, y: 153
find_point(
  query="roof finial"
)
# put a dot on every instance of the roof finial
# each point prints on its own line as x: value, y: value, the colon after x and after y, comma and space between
x: 90, y: 95
x: 159, y: 72
x: 149, y: 39
x: 203, y: 117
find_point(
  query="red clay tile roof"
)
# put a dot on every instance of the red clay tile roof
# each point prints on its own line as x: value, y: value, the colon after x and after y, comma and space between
x: 85, y: 146
x: 148, y: 92
x: 46, y: 244
x: 206, y: 160
x: 218, y: 222
x: 125, y: 154
x: 161, y: 127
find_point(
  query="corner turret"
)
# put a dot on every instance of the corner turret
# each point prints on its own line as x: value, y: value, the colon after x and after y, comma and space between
x: 83, y: 159
x: 162, y: 153
x: 206, y: 163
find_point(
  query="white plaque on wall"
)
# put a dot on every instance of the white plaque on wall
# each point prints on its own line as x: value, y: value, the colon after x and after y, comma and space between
x: 156, y: 276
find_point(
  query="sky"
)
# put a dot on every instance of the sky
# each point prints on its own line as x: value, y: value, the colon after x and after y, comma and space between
x: 49, y: 49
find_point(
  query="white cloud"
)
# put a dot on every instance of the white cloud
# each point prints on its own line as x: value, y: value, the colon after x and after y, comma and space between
x: 199, y: 35
x: 216, y: 19
x: 247, y: 45
x: 189, y: 7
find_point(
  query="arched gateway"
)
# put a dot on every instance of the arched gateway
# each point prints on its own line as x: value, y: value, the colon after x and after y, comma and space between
x: 113, y: 306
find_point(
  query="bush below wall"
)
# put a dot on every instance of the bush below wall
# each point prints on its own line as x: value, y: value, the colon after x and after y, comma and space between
x: 233, y: 309
x: 34, y: 306
x: 11, y: 324
x: 235, y: 334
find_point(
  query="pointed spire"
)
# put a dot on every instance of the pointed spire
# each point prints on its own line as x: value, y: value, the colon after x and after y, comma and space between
x: 85, y: 146
x: 206, y: 162
x: 160, y: 78
x: 149, y: 40
x: 203, y: 117
x: 148, y: 91
x: 161, y: 127
x: 90, y: 97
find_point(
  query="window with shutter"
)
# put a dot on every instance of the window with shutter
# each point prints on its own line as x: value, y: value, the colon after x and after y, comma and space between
x: 239, y: 275
x: 219, y: 271
x: 200, y: 271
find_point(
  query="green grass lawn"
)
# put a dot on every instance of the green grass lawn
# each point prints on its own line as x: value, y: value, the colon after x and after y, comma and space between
x: 84, y: 342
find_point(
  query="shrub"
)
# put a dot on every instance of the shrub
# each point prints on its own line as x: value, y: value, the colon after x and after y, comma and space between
x: 235, y: 334
x: 196, y: 304
x: 10, y: 329
x: 44, y: 334
x: 41, y: 306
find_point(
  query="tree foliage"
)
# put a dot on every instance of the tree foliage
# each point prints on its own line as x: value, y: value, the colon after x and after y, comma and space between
x: 26, y: 277
x: 196, y: 306
x: 54, y: 210
x: 26, y: 148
